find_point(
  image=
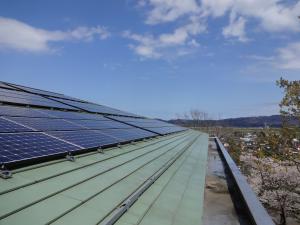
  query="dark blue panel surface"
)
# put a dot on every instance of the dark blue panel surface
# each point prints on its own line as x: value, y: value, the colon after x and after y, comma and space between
x: 8, y: 126
x: 46, y: 124
x: 2, y: 85
x: 73, y: 115
x: 128, y: 134
x: 6, y: 110
x: 41, y: 92
x: 85, y: 138
x: 144, y: 122
x: 152, y: 125
x: 55, y: 124
x: 166, y: 130
x: 90, y: 116
x: 101, y: 124
x: 24, y: 146
x: 90, y: 107
x: 18, y: 97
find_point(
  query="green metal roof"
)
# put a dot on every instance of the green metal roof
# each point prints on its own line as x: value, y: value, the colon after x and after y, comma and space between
x: 88, y: 190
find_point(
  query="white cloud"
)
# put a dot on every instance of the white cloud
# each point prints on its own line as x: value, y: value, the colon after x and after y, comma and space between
x: 87, y: 33
x: 17, y: 35
x: 192, y: 17
x: 289, y: 56
x: 259, y: 58
x: 236, y: 28
x: 216, y: 8
x: 145, y: 46
x: 271, y: 15
x: 193, y: 43
x: 169, y: 10
x: 180, y: 40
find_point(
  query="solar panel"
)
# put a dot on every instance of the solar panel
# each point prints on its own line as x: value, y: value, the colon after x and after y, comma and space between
x: 8, y: 126
x: 91, y: 107
x: 23, y: 146
x: 2, y: 85
x: 149, y: 124
x: 128, y: 119
x: 41, y: 92
x: 166, y: 130
x: 101, y: 124
x: 142, y: 121
x: 157, y: 126
x: 128, y: 134
x: 73, y: 115
x: 17, y: 97
x: 46, y: 124
x: 90, y: 116
x: 85, y: 138
x: 53, y: 125
x: 6, y: 110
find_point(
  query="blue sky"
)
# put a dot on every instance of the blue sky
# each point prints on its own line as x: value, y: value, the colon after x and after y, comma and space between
x: 157, y: 58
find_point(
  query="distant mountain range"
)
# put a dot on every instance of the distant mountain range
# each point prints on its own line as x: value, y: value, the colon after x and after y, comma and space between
x: 255, y: 121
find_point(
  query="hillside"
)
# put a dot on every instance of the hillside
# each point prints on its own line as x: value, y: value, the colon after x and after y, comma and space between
x: 256, y: 121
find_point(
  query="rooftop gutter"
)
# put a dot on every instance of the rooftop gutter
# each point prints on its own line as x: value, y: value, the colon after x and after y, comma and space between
x: 248, y: 203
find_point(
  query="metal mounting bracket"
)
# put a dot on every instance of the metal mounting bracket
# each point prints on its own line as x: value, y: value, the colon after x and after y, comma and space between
x: 100, y: 150
x: 5, y: 173
x: 70, y: 157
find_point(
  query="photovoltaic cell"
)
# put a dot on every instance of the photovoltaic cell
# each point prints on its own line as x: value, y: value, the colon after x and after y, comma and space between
x: 127, y: 134
x: 24, y: 146
x: 152, y: 125
x: 9, y: 127
x: 6, y: 110
x: 18, y: 97
x: 19, y: 94
x: 133, y: 119
x: 41, y: 92
x: 90, y: 107
x: 90, y: 116
x: 73, y: 115
x: 101, y: 124
x: 140, y: 133
x: 166, y: 130
x: 2, y: 85
x: 142, y: 121
x: 85, y: 138
x: 46, y: 124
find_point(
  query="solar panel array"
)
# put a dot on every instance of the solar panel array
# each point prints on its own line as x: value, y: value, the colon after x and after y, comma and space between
x: 23, y: 98
x: 94, y: 108
x: 74, y: 132
x: 3, y: 85
x: 38, y: 91
x: 18, y: 147
x: 37, y: 125
x: 156, y: 126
